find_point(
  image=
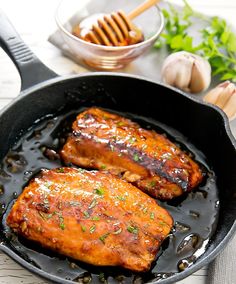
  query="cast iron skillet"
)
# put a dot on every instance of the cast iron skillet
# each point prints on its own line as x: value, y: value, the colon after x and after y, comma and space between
x: 43, y: 93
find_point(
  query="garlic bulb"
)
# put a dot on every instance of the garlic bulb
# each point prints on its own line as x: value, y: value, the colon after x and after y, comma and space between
x: 186, y: 71
x: 224, y: 96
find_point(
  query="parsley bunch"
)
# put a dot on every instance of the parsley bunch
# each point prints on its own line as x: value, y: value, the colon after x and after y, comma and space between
x: 217, y: 40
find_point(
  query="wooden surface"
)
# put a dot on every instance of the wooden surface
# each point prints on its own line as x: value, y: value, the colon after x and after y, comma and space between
x: 34, y: 21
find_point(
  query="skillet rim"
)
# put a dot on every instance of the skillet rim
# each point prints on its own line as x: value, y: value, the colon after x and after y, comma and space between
x: 62, y: 78
x: 203, y: 260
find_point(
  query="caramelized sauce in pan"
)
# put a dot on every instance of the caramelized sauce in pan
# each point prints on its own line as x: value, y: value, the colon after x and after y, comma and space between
x: 195, y: 214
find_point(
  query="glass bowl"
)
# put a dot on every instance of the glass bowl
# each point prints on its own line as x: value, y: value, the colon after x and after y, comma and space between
x: 71, y: 12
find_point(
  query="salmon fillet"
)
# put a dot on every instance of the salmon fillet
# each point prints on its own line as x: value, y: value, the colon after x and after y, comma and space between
x: 106, y: 141
x: 91, y: 216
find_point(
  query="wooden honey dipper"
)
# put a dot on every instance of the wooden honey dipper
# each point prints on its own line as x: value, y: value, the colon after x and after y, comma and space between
x: 115, y: 29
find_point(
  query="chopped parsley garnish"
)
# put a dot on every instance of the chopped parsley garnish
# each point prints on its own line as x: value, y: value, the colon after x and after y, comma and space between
x: 99, y: 191
x: 87, y: 115
x: 86, y: 214
x: 83, y: 228
x: 95, y: 218
x: 48, y: 184
x: 152, y: 215
x: 103, y: 167
x: 161, y: 223
x: 60, y: 170
x: 103, y: 237
x: 44, y: 215
x: 61, y: 224
x: 93, y: 203
x: 136, y: 157
x: 132, y: 140
x: 152, y: 183
x: 122, y: 198
x: 92, y: 229
x: 132, y: 229
x: 145, y: 210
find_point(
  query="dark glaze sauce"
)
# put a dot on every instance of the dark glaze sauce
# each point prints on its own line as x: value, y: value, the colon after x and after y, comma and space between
x: 195, y: 214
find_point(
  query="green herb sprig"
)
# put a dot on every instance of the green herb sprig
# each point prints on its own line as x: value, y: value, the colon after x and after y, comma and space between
x: 217, y: 40
x: 132, y: 229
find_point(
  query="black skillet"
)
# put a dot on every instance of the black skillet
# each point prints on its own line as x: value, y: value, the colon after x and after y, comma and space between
x: 43, y: 93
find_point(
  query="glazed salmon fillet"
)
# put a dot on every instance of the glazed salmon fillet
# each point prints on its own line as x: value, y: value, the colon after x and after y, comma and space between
x: 91, y: 216
x: 106, y: 141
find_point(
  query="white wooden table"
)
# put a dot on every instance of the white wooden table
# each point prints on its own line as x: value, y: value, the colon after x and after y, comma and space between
x: 35, y: 22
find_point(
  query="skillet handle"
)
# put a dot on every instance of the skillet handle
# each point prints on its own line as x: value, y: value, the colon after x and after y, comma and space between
x: 32, y: 71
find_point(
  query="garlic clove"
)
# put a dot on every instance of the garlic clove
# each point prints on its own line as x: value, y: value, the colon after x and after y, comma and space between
x: 186, y: 71
x: 175, y: 76
x: 212, y: 95
x: 230, y: 108
x: 170, y: 79
x: 183, y: 75
x: 201, y: 76
x: 225, y: 95
x: 178, y: 71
